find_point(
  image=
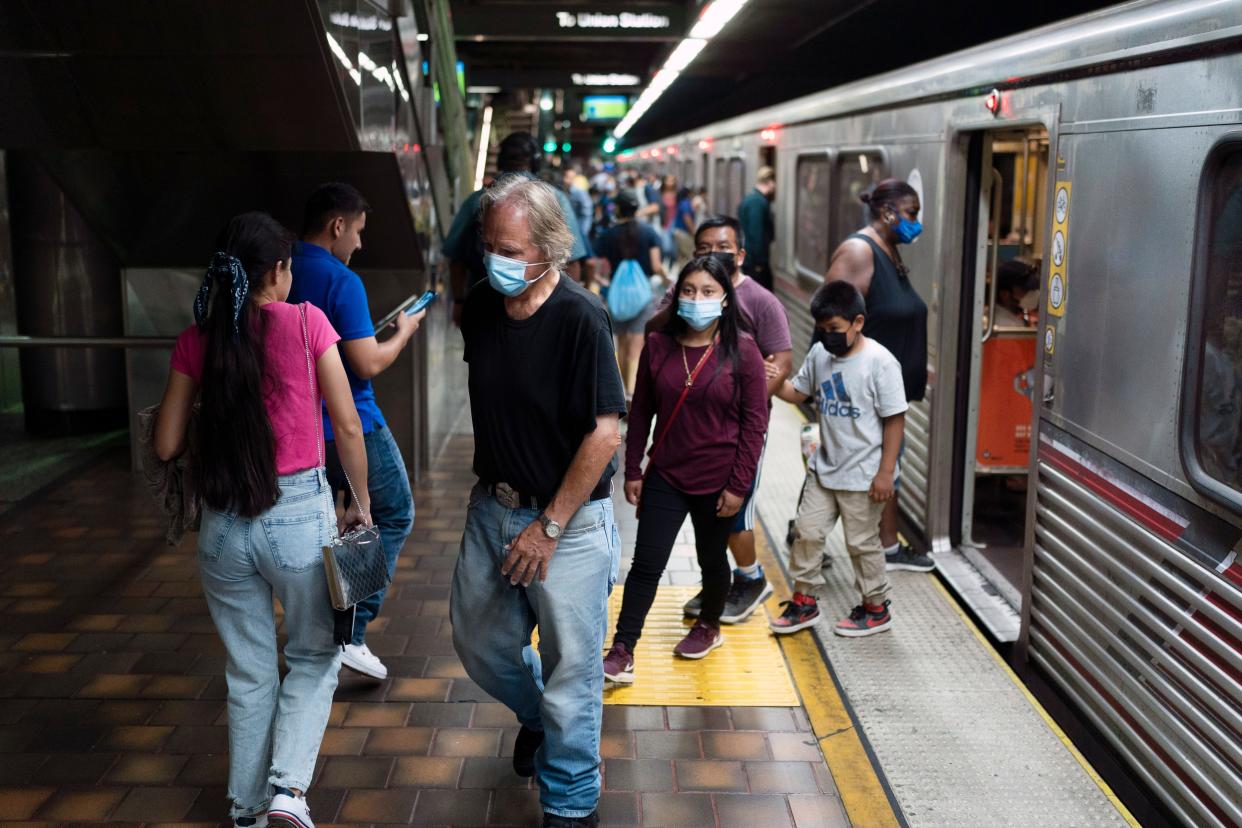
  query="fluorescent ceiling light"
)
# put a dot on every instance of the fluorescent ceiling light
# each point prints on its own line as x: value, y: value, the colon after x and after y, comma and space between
x: 422, y: 37
x: 685, y: 52
x: 715, y: 17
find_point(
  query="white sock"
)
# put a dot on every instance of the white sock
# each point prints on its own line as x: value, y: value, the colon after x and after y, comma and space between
x: 894, y: 549
x: 751, y: 572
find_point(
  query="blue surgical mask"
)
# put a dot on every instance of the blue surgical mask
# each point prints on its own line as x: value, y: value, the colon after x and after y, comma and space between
x: 508, y: 276
x: 907, y: 231
x: 700, y: 313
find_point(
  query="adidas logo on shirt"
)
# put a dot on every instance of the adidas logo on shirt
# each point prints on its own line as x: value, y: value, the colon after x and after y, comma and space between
x: 834, y: 400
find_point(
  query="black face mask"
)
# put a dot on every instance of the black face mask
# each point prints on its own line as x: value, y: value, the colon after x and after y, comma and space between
x: 729, y: 260
x: 835, y: 342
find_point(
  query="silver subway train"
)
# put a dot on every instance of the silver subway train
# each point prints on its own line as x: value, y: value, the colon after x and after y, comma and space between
x: 1078, y: 476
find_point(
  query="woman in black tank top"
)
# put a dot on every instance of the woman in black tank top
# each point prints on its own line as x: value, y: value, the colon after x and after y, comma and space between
x: 869, y: 260
x: 896, y: 314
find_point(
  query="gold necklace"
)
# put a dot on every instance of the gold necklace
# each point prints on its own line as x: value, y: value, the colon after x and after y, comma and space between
x: 686, y: 363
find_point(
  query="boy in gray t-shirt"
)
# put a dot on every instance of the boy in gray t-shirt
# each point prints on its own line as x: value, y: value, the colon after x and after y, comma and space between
x: 858, y: 390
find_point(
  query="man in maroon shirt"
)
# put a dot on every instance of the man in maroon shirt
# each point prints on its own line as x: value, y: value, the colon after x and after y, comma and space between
x: 721, y: 236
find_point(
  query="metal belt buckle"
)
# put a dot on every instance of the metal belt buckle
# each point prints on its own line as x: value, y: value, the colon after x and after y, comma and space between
x: 507, y: 497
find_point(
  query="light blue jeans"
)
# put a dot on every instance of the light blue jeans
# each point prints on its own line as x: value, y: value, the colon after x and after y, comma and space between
x: 560, y: 689
x: 275, y: 727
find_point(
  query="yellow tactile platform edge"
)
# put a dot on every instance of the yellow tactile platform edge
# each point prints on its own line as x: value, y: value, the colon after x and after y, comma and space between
x: 863, y: 795
x: 748, y: 671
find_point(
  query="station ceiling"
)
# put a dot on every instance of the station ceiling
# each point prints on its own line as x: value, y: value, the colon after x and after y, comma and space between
x: 772, y: 51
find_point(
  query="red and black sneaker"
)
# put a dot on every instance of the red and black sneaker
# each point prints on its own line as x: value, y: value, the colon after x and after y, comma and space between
x: 798, y: 614
x: 864, y: 619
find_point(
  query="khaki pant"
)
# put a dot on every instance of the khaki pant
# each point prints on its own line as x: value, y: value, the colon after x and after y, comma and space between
x: 860, y: 518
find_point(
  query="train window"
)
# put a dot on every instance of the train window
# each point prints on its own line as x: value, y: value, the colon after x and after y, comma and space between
x: 720, y: 188
x: 737, y: 185
x: 1216, y: 404
x: 856, y: 171
x: 811, y: 202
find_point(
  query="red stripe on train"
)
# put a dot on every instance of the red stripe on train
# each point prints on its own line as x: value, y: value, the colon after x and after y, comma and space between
x: 1205, y: 800
x: 1161, y: 524
x: 1233, y: 574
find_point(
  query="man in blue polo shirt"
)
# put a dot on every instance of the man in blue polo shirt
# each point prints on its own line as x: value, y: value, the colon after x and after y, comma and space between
x: 331, y: 233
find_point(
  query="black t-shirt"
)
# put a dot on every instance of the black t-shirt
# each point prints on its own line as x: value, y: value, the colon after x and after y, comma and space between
x: 537, y: 385
x: 897, y: 319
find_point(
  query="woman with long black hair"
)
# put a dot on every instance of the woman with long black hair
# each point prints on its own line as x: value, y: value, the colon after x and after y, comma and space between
x: 258, y: 368
x: 701, y: 379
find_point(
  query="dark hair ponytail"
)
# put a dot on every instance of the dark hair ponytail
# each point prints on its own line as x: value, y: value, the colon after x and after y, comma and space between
x: 236, y: 471
x: 886, y: 195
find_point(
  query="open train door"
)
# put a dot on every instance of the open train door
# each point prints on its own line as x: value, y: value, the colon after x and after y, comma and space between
x: 997, y: 352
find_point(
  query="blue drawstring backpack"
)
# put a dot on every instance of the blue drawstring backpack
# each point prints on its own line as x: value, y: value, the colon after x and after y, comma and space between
x: 630, y: 292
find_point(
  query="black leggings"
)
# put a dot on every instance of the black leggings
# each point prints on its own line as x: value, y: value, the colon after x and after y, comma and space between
x: 663, y: 511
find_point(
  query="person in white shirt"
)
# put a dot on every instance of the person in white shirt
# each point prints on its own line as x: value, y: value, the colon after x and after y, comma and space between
x: 858, y: 390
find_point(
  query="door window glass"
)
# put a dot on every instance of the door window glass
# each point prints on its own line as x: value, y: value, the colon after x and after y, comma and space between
x: 811, y: 214
x: 856, y: 171
x: 1219, y: 395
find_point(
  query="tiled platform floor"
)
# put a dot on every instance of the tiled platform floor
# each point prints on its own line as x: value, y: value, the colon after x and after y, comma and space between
x: 112, y: 694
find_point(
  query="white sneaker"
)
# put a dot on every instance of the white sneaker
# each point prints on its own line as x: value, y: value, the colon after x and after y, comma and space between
x: 360, y: 659
x: 289, y: 810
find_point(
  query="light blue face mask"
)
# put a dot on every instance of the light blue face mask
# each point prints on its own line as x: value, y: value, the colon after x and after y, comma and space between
x: 508, y: 276
x: 700, y: 313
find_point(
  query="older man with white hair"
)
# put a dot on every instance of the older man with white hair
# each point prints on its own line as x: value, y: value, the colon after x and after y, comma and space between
x: 541, y: 546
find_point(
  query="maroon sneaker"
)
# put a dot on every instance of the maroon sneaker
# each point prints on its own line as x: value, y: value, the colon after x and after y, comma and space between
x: 798, y: 614
x: 701, y: 640
x: 864, y: 619
x: 619, y: 664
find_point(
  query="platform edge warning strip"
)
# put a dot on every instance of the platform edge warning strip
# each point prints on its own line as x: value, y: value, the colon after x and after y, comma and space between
x: 865, y: 793
x: 1095, y: 777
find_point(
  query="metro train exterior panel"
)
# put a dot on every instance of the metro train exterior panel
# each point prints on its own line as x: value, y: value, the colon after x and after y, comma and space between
x: 1131, y: 592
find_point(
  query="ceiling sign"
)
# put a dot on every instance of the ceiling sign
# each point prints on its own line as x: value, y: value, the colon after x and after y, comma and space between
x: 624, y: 20
x: 531, y: 21
x: 610, y: 79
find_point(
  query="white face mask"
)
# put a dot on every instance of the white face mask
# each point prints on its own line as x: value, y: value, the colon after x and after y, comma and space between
x: 1029, y: 301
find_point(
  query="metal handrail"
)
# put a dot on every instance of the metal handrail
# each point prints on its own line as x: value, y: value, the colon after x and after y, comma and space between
x: 998, y: 186
x: 87, y: 341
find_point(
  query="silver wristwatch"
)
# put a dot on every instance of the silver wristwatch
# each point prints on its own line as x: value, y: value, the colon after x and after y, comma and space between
x: 550, y: 527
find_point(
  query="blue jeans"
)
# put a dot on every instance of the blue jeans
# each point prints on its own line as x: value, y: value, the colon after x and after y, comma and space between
x: 392, y: 508
x: 560, y: 689
x: 275, y: 727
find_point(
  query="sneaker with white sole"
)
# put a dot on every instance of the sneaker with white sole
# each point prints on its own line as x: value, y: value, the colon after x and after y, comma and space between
x: 701, y: 640
x: 745, y: 596
x: 619, y: 664
x: 798, y: 614
x: 865, y: 619
x: 360, y: 659
x: 908, y: 559
x: 289, y: 810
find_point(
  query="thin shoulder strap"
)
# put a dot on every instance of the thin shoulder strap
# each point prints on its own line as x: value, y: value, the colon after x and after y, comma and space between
x: 313, y: 385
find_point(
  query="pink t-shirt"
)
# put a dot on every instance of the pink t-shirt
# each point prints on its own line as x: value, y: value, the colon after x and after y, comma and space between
x: 292, y: 406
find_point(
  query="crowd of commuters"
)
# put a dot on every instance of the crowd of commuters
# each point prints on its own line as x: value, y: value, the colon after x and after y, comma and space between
x: 271, y: 386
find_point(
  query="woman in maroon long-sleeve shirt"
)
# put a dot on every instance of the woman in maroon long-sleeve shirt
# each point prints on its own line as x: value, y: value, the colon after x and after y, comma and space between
x: 704, y: 465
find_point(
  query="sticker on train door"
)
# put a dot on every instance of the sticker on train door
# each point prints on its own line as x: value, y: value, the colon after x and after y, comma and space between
x: 1058, y: 272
